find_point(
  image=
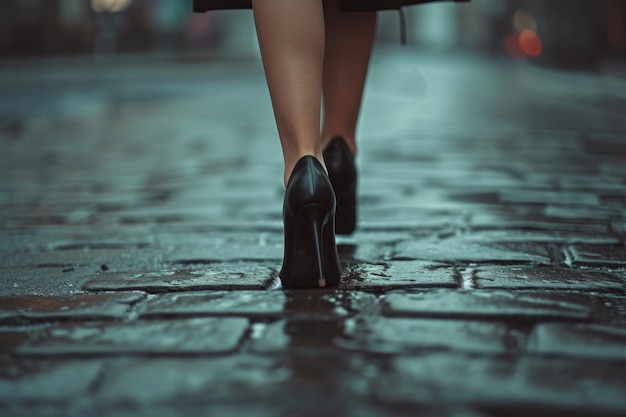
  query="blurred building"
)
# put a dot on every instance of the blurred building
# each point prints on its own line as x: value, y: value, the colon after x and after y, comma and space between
x: 564, y: 33
x: 69, y: 27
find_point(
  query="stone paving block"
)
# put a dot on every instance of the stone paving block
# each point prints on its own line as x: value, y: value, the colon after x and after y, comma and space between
x: 518, y: 196
x: 533, y: 236
x: 239, y: 276
x: 11, y: 338
x: 434, y: 198
x: 46, y: 380
x: 72, y: 307
x: 506, y: 384
x: 599, y: 255
x: 192, y: 336
x: 592, y: 214
x: 398, y: 274
x: 452, y: 250
x: 492, y: 305
x: 91, y: 244
x: 614, y: 307
x: 230, y: 247
x: 183, y: 409
x: 376, y: 408
x: 400, y: 218
x: 45, y: 280
x: 514, y: 277
x: 114, y: 258
x: 215, y: 303
x: 502, y: 219
x: 371, y: 252
x: 99, y: 235
x: 396, y: 335
x: 580, y: 340
x: 196, y: 380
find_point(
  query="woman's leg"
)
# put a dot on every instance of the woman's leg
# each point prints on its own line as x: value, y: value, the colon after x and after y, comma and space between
x: 291, y: 38
x: 349, y: 39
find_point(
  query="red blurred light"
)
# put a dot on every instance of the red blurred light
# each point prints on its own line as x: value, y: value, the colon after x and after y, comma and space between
x: 530, y: 43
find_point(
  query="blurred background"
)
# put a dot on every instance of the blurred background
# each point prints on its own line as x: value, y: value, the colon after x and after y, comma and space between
x: 560, y: 33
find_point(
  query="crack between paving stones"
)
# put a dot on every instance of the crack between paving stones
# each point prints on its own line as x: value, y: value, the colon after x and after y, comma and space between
x: 245, y: 342
x: 568, y: 256
x: 202, y: 261
x: 134, y: 306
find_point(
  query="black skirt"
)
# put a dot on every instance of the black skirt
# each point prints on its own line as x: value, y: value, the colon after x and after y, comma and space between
x: 345, y: 5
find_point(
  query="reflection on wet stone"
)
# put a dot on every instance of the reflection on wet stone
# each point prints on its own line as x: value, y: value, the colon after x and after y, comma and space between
x: 299, y: 335
x: 312, y: 321
x: 313, y: 335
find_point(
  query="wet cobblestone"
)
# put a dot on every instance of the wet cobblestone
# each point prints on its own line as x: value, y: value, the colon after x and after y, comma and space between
x: 581, y: 340
x: 571, y: 386
x: 141, y: 239
x: 547, y: 278
x: 194, y: 336
x: 28, y: 309
x: 47, y: 380
x: 218, y: 277
x: 494, y: 305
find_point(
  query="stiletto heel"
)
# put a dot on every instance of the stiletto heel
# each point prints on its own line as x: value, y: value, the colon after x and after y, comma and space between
x: 315, y: 218
x: 311, y: 258
x: 343, y: 176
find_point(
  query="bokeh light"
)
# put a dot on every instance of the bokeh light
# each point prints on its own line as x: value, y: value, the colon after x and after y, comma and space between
x: 530, y: 43
x: 523, y: 20
x: 110, y: 5
x: 524, y: 42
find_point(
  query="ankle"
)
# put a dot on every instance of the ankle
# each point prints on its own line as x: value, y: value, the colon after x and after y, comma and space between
x: 347, y: 138
x: 290, y: 162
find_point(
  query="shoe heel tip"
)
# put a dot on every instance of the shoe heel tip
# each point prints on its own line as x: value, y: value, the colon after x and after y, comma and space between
x: 321, y: 282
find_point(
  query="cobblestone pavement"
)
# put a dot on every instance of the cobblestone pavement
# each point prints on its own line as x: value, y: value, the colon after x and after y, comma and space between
x: 141, y: 235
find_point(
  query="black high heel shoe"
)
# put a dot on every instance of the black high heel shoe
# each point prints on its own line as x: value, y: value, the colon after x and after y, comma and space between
x: 311, y: 258
x: 342, y: 172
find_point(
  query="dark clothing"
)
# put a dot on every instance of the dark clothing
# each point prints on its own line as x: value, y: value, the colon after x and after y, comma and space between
x: 345, y: 5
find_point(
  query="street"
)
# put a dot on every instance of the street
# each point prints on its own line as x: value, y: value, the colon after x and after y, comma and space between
x: 141, y: 239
